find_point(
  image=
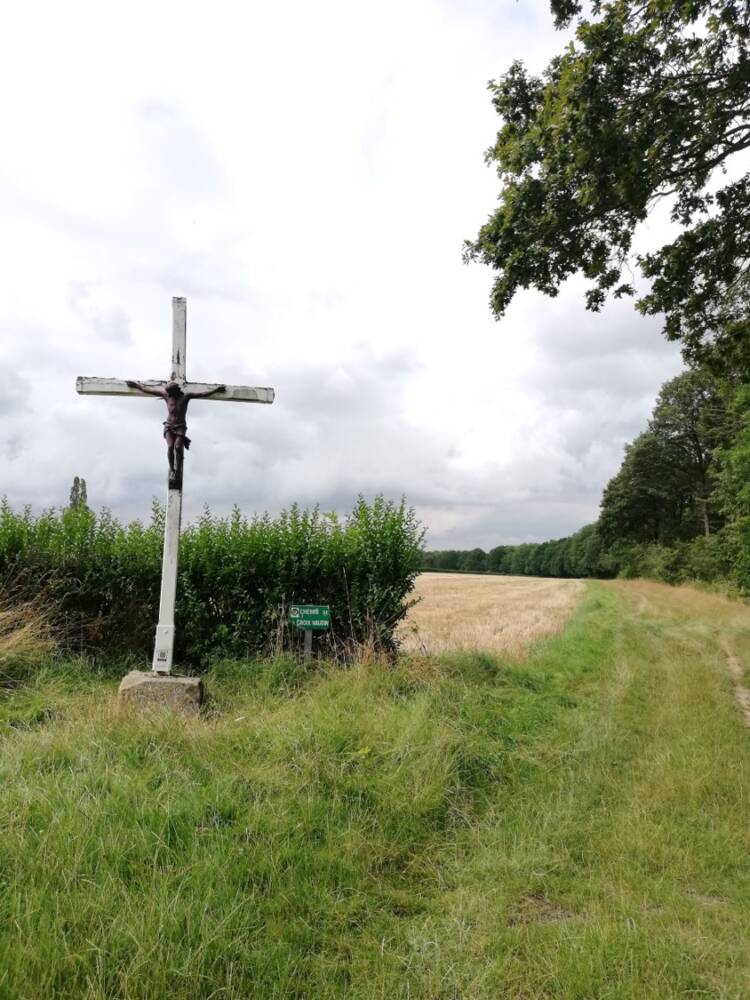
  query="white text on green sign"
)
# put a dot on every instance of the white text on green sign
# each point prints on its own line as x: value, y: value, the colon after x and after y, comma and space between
x: 310, y: 616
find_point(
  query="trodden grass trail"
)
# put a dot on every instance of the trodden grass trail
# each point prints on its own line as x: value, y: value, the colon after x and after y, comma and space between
x: 619, y: 852
x: 458, y: 826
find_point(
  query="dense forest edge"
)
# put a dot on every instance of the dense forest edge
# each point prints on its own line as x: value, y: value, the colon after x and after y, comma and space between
x: 677, y: 510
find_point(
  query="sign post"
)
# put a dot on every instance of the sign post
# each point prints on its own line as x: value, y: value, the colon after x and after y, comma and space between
x: 310, y: 618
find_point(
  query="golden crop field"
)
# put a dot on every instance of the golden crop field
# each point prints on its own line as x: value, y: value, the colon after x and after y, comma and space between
x: 495, y: 614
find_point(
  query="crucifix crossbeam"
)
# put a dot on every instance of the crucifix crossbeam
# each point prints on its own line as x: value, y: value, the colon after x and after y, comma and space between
x: 90, y: 385
x: 177, y: 393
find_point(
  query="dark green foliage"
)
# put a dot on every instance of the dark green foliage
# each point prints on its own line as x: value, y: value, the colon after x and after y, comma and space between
x: 474, y: 561
x: 665, y: 491
x: 649, y: 500
x: 649, y: 101
x: 579, y: 555
x: 708, y: 559
x: 733, y: 489
x: 236, y: 581
x: 496, y: 559
x: 584, y: 554
x: 450, y: 559
x: 78, y: 495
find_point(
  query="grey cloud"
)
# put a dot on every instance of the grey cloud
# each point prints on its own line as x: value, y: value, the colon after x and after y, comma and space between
x: 505, y: 523
x: 16, y: 392
x: 338, y: 430
x: 596, y: 377
x: 612, y: 354
x: 362, y: 387
x: 13, y: 446
x: 108, y: 321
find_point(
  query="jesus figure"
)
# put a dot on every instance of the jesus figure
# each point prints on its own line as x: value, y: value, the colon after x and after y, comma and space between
x: 175, y: 426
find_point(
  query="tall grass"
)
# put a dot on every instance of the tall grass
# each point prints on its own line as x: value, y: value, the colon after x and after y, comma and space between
x: 460, y: 827
x: 237, y: 577
x: 26, y: 642
x: 284, y: 846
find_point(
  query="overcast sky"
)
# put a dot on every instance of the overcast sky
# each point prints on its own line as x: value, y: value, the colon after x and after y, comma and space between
x: 305, y: 174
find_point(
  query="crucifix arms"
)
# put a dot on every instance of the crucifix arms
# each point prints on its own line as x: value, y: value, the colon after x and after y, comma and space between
x: 161, y: 392
x: 192, y: 394
x: 143, y: 388
x: 152, y: 387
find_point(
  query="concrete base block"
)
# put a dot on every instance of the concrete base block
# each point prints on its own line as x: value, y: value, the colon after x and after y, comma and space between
x: 143, y: 688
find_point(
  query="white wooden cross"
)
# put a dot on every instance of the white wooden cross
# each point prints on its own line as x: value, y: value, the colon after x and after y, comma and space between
x: 164, y: 645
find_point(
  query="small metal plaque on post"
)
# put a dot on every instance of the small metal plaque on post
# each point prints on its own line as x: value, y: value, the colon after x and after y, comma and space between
x: 310, y: 618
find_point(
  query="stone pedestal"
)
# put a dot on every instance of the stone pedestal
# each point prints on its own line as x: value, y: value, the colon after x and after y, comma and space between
x: 146, y: 689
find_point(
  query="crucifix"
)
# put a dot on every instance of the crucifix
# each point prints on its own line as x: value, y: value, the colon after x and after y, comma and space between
x: 176, y: 393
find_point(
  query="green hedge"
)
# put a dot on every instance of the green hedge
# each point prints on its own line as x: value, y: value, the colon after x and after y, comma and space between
x: 237, y: 577
x: 707, y: 559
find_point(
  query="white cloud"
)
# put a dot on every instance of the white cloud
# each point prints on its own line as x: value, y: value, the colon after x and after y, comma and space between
x: 306, y: 175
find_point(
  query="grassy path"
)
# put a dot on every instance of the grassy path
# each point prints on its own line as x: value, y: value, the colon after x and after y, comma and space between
x: 575, y: 826
x: 620, y: 855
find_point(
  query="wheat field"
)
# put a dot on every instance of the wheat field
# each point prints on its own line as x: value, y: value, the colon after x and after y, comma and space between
x: 493, y: 614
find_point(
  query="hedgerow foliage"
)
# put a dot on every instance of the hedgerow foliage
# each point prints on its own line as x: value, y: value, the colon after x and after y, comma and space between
x: 237, y: 577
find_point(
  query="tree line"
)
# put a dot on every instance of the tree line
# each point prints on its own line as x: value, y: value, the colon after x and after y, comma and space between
x: 677, y: 509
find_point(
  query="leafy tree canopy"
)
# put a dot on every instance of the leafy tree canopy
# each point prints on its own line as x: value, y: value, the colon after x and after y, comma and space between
x: 664, y: 489
x: 649, y: 101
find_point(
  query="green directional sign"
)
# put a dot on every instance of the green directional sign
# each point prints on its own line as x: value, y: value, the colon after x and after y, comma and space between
x: 316, y: 617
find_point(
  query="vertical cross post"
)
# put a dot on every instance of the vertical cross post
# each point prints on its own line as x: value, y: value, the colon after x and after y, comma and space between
x: 179, y: 339
x: 164, y: 644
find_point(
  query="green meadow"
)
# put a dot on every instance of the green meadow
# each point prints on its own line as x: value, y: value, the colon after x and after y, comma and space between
x: 572, y: 825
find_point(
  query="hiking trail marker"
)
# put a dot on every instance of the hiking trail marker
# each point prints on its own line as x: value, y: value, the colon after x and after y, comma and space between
x: 174, y: 432
x: 310, y: 618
